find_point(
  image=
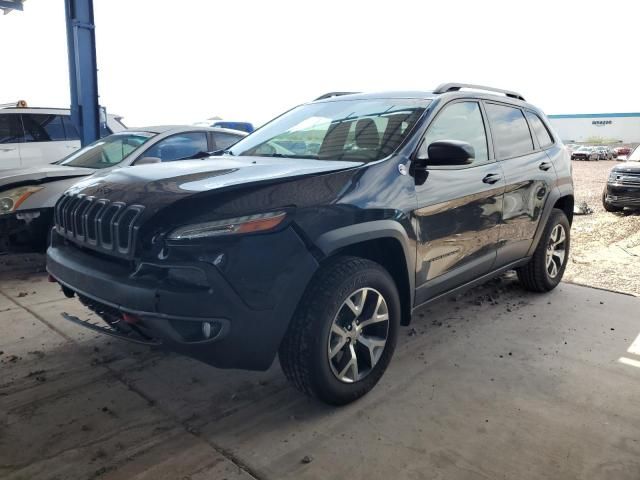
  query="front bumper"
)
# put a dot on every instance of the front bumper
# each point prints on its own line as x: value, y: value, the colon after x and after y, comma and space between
x: 247, y: 301
x: 623, y: 195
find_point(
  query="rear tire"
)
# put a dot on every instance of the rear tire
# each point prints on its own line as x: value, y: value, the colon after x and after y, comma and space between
x: 607, y: 206
x: 325, y: 338
x: 546, y: 267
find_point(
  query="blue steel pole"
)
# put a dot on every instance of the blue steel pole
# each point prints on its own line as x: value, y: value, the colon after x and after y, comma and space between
x: 83, y: 73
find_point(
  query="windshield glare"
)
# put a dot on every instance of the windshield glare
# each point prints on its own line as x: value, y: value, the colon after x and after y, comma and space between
x: 359, y: 130
x: 108, y: 151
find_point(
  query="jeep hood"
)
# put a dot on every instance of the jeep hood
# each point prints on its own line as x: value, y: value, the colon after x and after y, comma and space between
x: 148, y: 184
x: 41, y: 174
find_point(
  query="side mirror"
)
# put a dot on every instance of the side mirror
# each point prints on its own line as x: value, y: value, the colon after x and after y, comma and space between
x: 449, y: 152
x: 148, y: 160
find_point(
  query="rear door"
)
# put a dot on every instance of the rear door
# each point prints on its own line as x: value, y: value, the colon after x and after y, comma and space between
x: 11, y: 137
x: 459, y: 207
x: 529, y: 176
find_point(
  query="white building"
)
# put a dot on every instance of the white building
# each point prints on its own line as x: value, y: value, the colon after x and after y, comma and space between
x: 598, y: 127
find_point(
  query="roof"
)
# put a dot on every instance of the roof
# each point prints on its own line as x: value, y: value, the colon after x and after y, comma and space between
x: 425, y: 95
x: 373, y: 95
x: 183, y: 128
x: 596, y: 115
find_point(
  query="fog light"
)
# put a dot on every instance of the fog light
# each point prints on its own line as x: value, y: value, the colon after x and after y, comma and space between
x: 206, y: 329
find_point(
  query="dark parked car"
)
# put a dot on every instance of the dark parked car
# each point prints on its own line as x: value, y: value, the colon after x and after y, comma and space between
x: 623, y: 185
x: 320, y: 256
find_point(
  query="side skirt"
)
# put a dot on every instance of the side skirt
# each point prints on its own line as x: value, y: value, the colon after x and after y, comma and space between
x: 474, y: 283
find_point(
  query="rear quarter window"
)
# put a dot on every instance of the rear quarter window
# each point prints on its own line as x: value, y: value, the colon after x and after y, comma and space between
x: 542, y: 134
x: 511, y: 135
x: 41, y: 127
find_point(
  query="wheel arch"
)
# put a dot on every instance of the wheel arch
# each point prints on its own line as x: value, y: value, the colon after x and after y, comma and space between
x: 566, y: 203
x: 558, y: 198
x: 383, y: 241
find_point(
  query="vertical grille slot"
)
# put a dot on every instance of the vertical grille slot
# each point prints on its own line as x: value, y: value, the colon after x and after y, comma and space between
x: 76, y: 215
x: 105, y: 225
x: 67, y: 214
x: 124, y: 228
x: 91, y: 221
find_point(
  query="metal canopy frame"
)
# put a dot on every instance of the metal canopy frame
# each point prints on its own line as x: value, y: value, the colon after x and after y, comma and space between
x: 83, y: 71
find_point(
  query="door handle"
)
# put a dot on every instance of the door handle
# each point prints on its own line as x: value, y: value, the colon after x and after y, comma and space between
x: 544, y: 166
x: 491, y: 178
x: 7, y: 149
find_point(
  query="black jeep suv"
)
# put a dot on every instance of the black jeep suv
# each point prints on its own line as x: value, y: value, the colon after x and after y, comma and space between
x: 319, y: 234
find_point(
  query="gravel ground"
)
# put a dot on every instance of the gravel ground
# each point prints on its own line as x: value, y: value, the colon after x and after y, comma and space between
x: 605, y: 247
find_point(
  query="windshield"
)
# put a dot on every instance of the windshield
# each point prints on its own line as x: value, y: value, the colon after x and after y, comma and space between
x: 108, y: 151
x: 361, y: 130
x: 584, y: 149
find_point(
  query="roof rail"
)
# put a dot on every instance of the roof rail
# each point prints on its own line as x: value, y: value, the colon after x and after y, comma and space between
x: 333, y: 94
x: 454, y: 87
x: 18, y: 104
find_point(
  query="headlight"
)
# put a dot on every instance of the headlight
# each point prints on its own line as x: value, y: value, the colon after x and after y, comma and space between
x: 12, y: 199
x: 612, y: 176
x: 231, y: 226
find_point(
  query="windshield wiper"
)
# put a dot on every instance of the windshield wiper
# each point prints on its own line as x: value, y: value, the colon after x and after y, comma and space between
x: 219, y: 153
x: 200, y: 155
x: 282, y: 155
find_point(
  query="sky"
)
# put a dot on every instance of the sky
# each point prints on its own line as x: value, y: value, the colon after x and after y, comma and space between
x: 168, y: 62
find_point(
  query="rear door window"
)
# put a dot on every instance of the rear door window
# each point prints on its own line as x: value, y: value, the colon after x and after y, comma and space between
x: 511, y: 135
x: 224, y: 140
x: 40, y: 127
x: 11, y: 129
x: 542, y: 134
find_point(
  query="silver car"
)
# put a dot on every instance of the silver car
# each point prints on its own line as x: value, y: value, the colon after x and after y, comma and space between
x: 28, y: 195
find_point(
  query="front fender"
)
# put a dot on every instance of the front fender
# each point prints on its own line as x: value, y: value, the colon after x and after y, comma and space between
x: 340, y: 238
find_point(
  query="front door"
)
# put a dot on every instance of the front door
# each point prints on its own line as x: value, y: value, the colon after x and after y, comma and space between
x: 459, y: 208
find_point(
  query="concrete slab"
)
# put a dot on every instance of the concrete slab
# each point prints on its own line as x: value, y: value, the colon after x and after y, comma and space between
x: 30, y: 289
x: 496, y: 384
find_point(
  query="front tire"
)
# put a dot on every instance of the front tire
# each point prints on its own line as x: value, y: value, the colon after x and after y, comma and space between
x: 547, y: 265
x: 343, y: 334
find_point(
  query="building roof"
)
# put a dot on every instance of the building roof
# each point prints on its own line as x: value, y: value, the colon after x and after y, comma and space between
x: 596, y: 115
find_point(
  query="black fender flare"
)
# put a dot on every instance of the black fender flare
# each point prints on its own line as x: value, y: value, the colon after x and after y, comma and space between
x: 556, y: 194
x: 334, y: 240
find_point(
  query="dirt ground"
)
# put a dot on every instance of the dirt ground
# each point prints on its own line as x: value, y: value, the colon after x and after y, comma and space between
x: 605, y: 247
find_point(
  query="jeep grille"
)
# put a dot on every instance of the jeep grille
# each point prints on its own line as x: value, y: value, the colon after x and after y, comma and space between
x: 98, y: 224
